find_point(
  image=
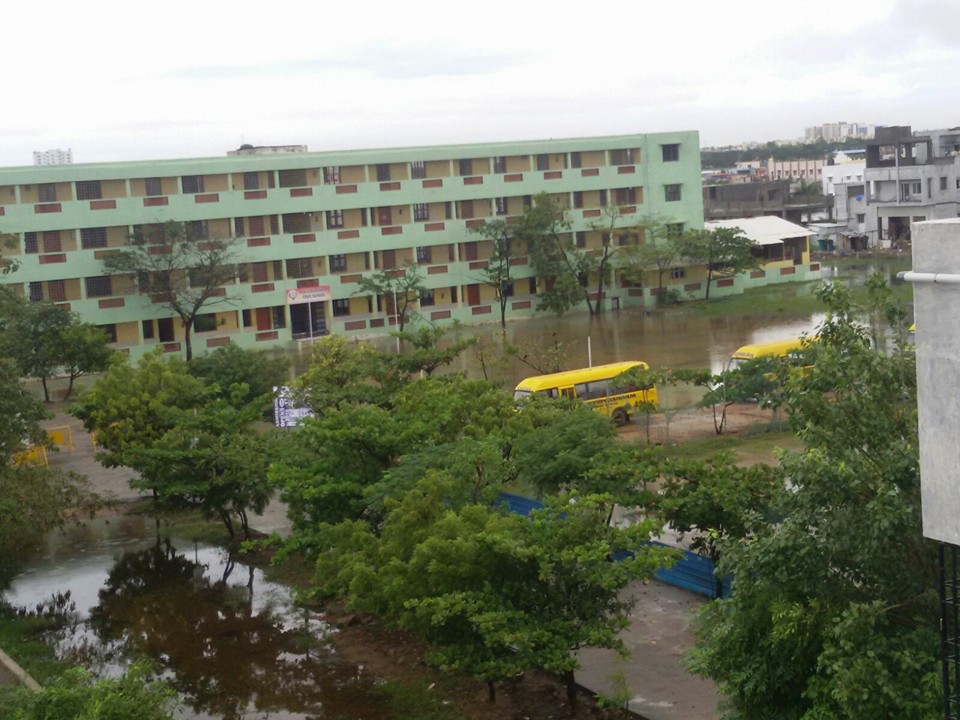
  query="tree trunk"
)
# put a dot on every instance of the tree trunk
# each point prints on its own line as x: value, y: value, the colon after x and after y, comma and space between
x: 491, y: 691
x: 187, y: 342
x: 709, y: 279
x: 571, y: 685
x: 46, y: 392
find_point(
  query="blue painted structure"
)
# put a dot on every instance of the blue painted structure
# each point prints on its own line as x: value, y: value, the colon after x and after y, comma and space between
x: 692, y: 572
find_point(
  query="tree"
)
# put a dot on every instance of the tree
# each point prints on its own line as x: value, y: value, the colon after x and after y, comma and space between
x: 400, y: 290
x: 658, y: 252
x: 192, y: 444
x: 77, y: 695
x: 45, y: 339
x: 496, y: 274
x: 726, y: 251
x: 614, y: 240
x: 175, y: 266
x: 230, y: 365
x: 834, y: 610
x: 33, y: 500
x: 559, y: 265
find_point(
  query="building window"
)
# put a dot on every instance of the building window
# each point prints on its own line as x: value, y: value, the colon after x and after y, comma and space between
x: 426, y: 298
x: 334, y: 219
x: 199, y: 229
x: 207, y: 322
x: 421, y: 212
x: 418, y: 169
x: 260, y: 272
x: 331, y: 175
x: 581, y: 239
x: 499, y: 164
x: 424, y: 254
x: 674, y: 230
x: 621, y: 157
x: 943, y: 183
x: 57, y: 289
x: 448, y: 210
x: 292, y: 178
x: 251, y: 181
x: 861, y: 218
x: 191, y: 184
x: 383, y: 172
x: 388, y: 259
x: 625, y: 196
x: 36, y: 291
x: 338, y: 263
x: 147, y: 329
x: 677, y: 273
x: 153, y: 187
x: 578, y: 199
x: 279, y: 317
x: 51, y: 241
x: 543, y: 162
x: 99, y: 286
x: 47, y: 192
x: 340, y: 307
x: 466, y: 209
x: 299, y: 268
x: 91, y: 238
x: 671, y: 193
x: 671, y: 152
x: 363, y: 217
x: 466, y: 167
x: 88, y: 190
x: 575, y: 160
x: 500, y: 204
x: 30, y: 245
x: 603, y: 198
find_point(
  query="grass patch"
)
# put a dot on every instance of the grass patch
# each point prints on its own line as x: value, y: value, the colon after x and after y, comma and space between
x: 22, y: 639
x: 757, y: 445
x: 413, y: 701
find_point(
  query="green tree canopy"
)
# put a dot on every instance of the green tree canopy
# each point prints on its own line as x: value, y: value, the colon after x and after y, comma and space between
x: 726, y: 251
x: 834, y: 609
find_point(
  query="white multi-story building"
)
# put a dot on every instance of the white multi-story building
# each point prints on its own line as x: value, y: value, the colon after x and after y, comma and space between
x: 909, y: 177
x: 838, y: 131
x: 53, y: 157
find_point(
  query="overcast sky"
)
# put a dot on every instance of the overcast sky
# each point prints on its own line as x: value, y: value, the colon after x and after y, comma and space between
x: 129, y: 81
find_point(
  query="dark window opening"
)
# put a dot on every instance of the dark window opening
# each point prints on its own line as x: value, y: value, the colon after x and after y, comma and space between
x: 88, y: 190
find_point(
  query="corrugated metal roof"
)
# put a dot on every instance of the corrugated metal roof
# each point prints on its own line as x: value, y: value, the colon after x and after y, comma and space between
x: 765, y: 230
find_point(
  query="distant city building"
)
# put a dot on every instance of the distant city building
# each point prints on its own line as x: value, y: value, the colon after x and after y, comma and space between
x: 53, y: 157
x: 839, y: 131
x: 909, y: 177
x: 807, y: 170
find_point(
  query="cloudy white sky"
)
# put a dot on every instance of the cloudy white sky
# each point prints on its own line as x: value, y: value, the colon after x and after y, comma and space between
x: 126, y: 81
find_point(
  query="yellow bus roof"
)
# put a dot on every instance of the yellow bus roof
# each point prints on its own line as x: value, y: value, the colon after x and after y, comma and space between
x: 572, y: 377
x: 777, y: 348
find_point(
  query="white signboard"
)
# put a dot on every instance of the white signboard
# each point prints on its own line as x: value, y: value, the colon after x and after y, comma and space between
x: 318, y: 293
x: 286, y: 412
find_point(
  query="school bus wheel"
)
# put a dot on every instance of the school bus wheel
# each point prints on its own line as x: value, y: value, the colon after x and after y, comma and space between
x: 620, y: 417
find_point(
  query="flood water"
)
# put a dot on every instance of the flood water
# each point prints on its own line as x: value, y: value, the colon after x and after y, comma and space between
x: 231, y: 643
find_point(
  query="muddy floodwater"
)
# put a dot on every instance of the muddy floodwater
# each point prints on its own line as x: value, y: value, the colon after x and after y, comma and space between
x: 231, y: 643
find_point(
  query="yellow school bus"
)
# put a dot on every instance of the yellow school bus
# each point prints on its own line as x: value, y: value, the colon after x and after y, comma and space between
x: 594, y: 386
x: 777, y: 348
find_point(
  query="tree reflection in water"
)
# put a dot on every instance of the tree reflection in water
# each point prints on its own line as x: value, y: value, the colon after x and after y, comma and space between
x: 227, y: 655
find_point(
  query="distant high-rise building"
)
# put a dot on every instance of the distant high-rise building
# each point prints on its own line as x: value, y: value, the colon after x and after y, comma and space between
x: 838, y: 131
x: 53, y: 157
